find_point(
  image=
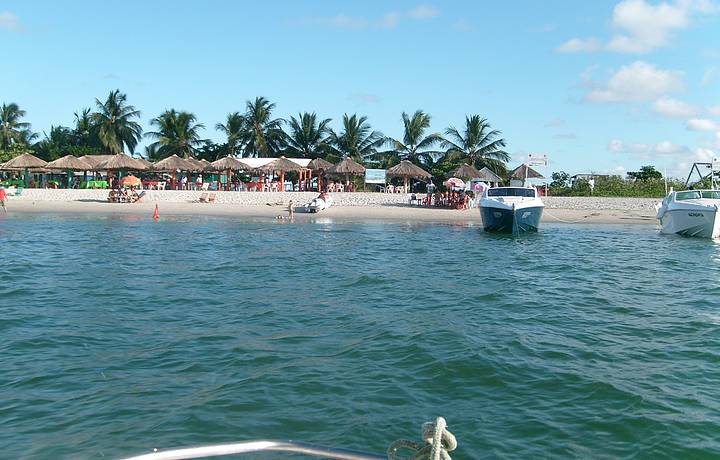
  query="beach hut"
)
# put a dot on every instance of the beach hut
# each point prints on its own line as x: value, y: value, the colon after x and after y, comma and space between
x: 347, y: 167
x: 487, y: 175
x: 94, y: 160
x: 319, y: 166
x: 69, y: 163
x: 281, y: 165
x: 173, y: 164
x: 408, y: 170
x: 466, y: 172
x: 24, y: 162
x: 524, y: 172
x: 120, y: 162
x: 227, y: 164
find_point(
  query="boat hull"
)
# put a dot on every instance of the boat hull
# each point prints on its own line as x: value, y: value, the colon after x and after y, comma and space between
x: 702, y: 223
x: 514, y: 221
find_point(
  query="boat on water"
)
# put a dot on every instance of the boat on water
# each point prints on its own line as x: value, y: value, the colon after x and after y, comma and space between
x: 513, y: 210
x: 692, y: 212
x: 320, y: 203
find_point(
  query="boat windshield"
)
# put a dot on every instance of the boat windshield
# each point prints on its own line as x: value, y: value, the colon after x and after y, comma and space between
x: 712, y: 194
x: 687, y: 195
x: 512, y: 191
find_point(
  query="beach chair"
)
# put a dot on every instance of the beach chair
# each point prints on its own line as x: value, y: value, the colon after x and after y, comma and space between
x: 19, y: 191
x: 205, y: 186
x: 139, y: 197
x: 212, y: 198
x: 203, y: 198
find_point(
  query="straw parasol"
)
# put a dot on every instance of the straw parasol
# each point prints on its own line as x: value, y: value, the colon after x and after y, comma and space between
x: 24, y: 162
x: 227, y: 164
x: 407, y: 170
x: 466, y: 172
x: 94, y: 160
x: 173, y: 164
x: 488, y: 175
x: 348, y: 167
x: 147, y: 163
x: 120, y: 161
x: 69, y: 163
x: 318, y: 164
x: 282, y: 165
x: 525, y: 172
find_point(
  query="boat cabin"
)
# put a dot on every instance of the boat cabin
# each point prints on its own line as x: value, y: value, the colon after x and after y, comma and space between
x: 524, y: 192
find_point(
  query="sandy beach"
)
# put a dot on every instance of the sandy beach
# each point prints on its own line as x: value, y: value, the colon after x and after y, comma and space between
x: 348, y: 207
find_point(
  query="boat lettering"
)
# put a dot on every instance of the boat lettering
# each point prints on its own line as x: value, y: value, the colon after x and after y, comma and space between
x: 695, y: 214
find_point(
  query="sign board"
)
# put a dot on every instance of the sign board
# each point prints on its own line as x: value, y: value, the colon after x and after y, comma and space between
x: 536, y: 159
x: 375, y: 176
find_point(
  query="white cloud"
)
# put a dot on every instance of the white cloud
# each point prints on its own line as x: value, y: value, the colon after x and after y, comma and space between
x: 581, y: 45
x: 388, y: 20
x: 701, y: 124
x: 714, y: 110
x: 638, y: 81
x: 647, y: 151
x: 9, y: 21
x: 423, y: 12
x: 674, y: 108
x: 642, y: 26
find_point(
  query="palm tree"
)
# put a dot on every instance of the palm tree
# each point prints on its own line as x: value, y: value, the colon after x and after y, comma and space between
x: 263, y: 134
x: 307, y: 138
x: 12, y: 130
x: 177, y: 134
x: 415, y: 143
x: 357, y: 139
x: 234, y: 130
x: 114, y: 121
x: 478, y: 145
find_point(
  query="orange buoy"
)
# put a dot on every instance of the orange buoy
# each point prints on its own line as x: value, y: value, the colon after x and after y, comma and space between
x: 156, y: 214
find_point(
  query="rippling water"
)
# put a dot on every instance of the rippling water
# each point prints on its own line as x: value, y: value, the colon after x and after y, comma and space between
x: 118, y: 335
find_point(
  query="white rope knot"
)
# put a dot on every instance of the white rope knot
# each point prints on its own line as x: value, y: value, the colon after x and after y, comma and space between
x: 438, y: 442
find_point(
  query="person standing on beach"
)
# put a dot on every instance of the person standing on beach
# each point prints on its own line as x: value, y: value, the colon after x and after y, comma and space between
x: 291, y: 210
x: 3, y: 198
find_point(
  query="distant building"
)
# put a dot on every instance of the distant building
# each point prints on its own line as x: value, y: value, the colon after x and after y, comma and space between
x: 589, y: 177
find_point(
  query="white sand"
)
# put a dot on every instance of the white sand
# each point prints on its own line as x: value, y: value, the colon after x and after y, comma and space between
x: 348, y: 206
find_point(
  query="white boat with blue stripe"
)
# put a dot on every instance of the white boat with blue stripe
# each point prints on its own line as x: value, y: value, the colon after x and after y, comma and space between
x: 513, y: 210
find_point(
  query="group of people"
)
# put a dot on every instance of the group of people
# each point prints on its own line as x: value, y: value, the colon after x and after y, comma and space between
x: 452, y: 199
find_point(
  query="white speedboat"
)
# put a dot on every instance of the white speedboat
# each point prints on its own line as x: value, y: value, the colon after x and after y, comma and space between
x: 513, y: 210
x: 320, y: 203
x: 690, y: 213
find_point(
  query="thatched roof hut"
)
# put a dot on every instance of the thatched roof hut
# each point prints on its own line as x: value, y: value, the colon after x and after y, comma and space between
x: 408, y: 169
x: 466, y: 172
x: 24, y: 161
x: 174, y: 163
x: 488, y: 175
x: 120, y: 161
x: 69, y: 163
x: 282, y: 164
x: 347, y: 166
x: 94, y: 160
x: 318, y: 164
x: 227, y: 164
x: 524, y: 171
x: 147, y: 163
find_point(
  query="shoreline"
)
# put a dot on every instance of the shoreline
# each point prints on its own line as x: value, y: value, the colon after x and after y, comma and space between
x: 394, y: 212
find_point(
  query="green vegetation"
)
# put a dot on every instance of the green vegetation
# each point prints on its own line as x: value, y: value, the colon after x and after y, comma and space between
x: 648, y: 182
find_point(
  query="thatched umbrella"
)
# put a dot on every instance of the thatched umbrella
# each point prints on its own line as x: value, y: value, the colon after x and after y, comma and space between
x: 466, y: 172
x: 407, y: 170
x: 227, y: 164
x: 525, y: 172
x: 487, y: 175
x: 120, y: 162
x: 282, y: 165
x: 318, y: 164
x: 94, y: 160
x: 348, y: 167
x: 69, y: 163
x: 173, y: 164
x: 147, y: 163
x: 24, y: 162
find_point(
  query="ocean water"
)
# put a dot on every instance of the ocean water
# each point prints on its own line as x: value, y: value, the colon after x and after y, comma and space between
x: 119, y: 335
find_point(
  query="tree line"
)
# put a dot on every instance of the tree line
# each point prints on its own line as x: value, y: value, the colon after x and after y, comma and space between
x: 112, y: 127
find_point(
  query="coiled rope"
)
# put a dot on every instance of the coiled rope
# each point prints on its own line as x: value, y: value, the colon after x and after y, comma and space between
x: 438, y: 442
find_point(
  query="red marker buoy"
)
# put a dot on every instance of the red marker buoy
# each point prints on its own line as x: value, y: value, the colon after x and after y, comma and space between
x: 156, y: 214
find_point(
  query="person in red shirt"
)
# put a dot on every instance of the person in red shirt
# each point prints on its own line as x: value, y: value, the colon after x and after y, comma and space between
x: 3, y: 198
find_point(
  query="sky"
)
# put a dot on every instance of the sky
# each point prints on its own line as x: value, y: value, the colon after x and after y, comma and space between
x: 601, y: 86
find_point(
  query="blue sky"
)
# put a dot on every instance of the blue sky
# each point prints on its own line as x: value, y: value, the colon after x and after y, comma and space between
x: 602, y: 86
